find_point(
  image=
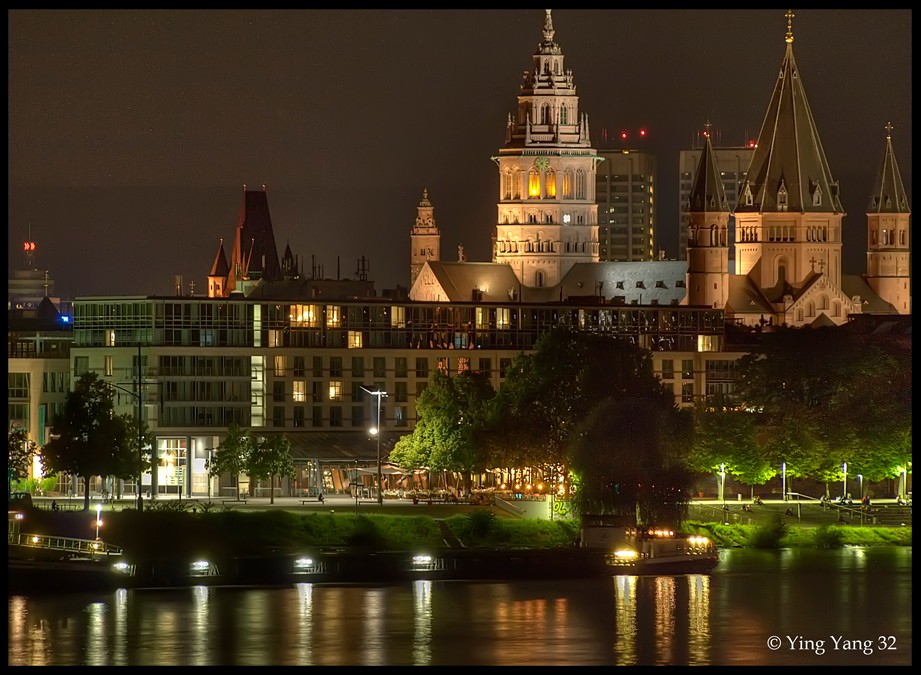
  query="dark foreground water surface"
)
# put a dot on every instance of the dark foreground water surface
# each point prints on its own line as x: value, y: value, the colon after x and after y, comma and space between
x: 850, y: 607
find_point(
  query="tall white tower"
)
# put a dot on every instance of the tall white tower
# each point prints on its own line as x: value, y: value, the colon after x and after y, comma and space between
x: 547, y: 215
x: 425, y: 238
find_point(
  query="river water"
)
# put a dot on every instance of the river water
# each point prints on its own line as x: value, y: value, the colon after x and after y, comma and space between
x: 847, y: 606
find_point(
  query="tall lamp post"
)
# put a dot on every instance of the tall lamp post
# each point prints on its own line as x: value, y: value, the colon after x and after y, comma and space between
x: 380, y: 394
x: 137, y: 395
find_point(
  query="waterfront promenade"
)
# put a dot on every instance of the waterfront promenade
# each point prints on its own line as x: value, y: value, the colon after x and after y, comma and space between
x: 801, y: 512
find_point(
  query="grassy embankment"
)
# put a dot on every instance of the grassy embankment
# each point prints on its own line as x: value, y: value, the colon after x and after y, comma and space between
x: 229, y: 532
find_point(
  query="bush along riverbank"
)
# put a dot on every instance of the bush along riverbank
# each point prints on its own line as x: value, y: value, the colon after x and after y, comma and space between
x: 778, y: 534
x: 231, y: 532
x: 173, y: 548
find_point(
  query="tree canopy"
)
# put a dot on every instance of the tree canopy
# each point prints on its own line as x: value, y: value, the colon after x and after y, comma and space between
x: 451, y: 428
x: 89, y: 439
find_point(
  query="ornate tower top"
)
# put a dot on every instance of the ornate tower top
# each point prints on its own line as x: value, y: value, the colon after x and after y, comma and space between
x: 789, y: 15
x: 548, y: 27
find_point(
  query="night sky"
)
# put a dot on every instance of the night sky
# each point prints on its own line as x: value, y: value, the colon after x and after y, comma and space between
x: 131, y: 133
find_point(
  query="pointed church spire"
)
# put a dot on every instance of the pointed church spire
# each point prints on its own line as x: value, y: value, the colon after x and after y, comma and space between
x: 707, y: 193
x: 789, y: 151
x: 889, y: 194
x: 220, y: 267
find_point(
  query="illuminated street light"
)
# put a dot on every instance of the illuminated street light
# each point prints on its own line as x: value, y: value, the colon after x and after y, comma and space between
x: 844, y: 483
x: 98, y: 519
x: 376, y: 431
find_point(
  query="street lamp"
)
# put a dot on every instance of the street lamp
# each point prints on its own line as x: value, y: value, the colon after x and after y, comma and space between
x: 137, y: 395
x: 376, y: 431
x: 844, y: 483
x: 98, y: 519
x: 783, y: 480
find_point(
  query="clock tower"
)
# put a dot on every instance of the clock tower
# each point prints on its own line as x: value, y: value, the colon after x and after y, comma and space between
x: 425, y: 238
x: 547, y: 215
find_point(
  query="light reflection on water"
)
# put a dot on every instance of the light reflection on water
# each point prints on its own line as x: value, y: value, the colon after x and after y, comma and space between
x: 803, y: 597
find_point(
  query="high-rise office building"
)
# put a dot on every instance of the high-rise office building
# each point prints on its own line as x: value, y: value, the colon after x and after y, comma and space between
x: 625, y: 192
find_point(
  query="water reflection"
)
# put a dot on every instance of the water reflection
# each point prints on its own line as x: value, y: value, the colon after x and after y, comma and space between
x: 725, y: 618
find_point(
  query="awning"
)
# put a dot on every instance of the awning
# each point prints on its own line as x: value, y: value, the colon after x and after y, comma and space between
x: 340, y: 446
x: 385, y: 471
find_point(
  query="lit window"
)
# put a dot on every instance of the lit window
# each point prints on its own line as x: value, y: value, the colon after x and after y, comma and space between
x: 354, y: 339
x: 335, y: 390
x: 482, y: 318
x: 332, y: 316
x: 299, y: 393
x: 108, y: 366
x: 279, y: 366
x: 503, y: 320
x: 305, y: 316
x: 397, y: 317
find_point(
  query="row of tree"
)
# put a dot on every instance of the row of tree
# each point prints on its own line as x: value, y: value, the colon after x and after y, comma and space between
x: 589, y: 408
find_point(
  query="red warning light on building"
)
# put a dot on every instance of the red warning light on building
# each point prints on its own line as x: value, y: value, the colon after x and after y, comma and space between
x: 28, y: 246
x: 642, y: 133
x: 623, y: 135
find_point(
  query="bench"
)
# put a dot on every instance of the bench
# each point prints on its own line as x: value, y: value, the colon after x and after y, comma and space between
x: 312, y: 499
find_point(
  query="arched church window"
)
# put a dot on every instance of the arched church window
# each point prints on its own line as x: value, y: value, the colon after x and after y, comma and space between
x: 507, y: 184
x: 564, y: 114
x: 550, y: 190
x: 516, y: 183
x: 539, y: 279
x: 533, y: 183
x: 713, y: 235
x: 567, y: 184
x: 545, y: 114
x: 580, y: 184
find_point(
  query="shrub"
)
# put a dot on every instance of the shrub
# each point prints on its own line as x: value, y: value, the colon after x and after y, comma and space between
x: 482, y: 522
x: 365, y: 535
x: 828, y: 536
x: 768, y: 535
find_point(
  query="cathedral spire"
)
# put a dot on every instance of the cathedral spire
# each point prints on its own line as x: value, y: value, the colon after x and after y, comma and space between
x: 789, y: 36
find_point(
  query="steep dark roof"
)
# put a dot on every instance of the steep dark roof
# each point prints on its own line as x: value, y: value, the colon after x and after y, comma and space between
x: 254, y: 245
x: 220, y: 267
x: 789, y: 153
x: 888, y: 194
x: 707, y: 194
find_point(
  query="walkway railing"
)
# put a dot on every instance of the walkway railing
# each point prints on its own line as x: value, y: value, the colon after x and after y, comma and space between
x: 66, y: 544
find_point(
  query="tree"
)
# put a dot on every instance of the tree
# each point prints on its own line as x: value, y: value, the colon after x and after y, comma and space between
x: 629, y: 460
x: 828, y: 396
x: 88, y: 439
x: 21, y: 451
x: 450, y: 431
x: 232, y: 453
x: 725, y: 438
x: 547, y: 394
x: 268, y: 458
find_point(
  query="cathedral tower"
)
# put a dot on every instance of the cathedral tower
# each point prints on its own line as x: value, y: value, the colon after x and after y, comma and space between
x: 708, y: 227
x: 547, y: 215
x: 425, y: 238
x: 788, y: 217
x: 888, y: 273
